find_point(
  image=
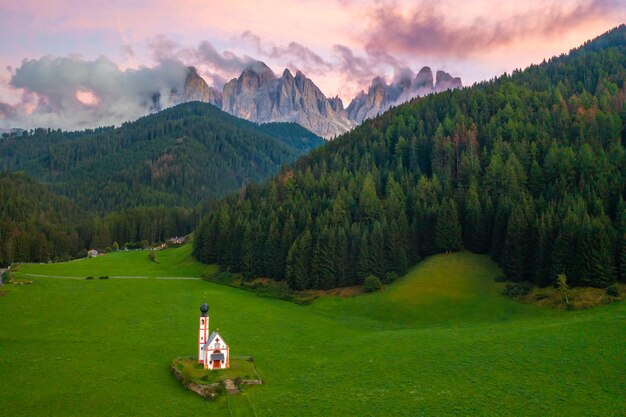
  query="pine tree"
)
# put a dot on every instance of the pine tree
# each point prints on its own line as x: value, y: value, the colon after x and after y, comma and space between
x: 298, y: 262
x: 517, y: 252
x: 621, y: 240
x: 474, y: 233
x: 448, y: 229
x: 370, y: 207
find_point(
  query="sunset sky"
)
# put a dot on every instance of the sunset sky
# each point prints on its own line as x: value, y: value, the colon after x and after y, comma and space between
x: 340, y: 44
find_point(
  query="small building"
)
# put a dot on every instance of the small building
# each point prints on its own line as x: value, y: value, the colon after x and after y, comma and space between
x: 92, y: 253
x: 213, y: 351
x: 177, y: 240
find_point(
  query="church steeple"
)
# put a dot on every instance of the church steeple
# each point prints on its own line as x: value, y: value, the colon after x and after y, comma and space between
x: 204, y: 331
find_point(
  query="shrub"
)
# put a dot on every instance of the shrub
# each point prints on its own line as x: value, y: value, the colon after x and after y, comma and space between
x: 103, y: 277
x: 390, y: 277
x: 500, y: 278
x: 540, y: 294
x: 612, y: 290
x: 517, y: 289
x: 152, y: 256
x: 89, y: 277
x: 372, y: 283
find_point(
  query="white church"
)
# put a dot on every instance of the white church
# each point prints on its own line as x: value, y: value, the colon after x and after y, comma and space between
x: 213, y: 351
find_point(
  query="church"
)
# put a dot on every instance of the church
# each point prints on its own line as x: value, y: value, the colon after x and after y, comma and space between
x: 213, y: 351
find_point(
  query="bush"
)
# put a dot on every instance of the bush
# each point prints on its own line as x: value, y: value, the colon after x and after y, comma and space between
x: 540, y: 294
x: 152, y: 256
x: 500, y: 278
x: 89, y: 277
x: 517, y: 289
x: 612, y: 290
x: 390, y: 277
x: 103, y: 277
x: 372, y: 283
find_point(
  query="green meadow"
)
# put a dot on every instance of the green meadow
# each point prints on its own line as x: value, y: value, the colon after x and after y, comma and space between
x: 440, y: 341
x: 169, y: 263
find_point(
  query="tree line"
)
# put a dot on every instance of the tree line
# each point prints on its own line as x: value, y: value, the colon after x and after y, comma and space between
x: 143, y: 182
x: 528, y: 167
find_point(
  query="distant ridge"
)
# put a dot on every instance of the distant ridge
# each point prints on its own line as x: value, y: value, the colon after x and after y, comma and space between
x: 260, y: 96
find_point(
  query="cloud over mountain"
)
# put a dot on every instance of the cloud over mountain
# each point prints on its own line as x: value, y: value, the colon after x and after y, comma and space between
x: 426, y: 29
x: 71, y: 92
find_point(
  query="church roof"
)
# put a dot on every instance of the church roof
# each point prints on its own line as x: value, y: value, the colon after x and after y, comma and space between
x: 212, y: 337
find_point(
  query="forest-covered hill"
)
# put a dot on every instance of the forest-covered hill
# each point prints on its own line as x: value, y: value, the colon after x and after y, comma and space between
x: 35, y: 222
x: 37, y: 225
x: 529, y: 167
x: 145, y: 181
x: 177, y: 158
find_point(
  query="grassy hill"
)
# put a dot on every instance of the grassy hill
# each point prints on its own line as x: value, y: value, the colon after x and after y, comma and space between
x: 440, y: 341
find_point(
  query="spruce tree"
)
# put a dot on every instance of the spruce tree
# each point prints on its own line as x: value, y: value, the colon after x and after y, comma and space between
x: 448, y: 229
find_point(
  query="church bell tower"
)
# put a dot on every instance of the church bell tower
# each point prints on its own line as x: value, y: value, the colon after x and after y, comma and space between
x: 204, y: 330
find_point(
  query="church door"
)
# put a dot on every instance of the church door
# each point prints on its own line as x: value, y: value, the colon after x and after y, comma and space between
x: 217, y: 364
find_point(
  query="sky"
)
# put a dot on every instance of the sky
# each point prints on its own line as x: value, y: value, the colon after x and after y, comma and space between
x: 83, y: 63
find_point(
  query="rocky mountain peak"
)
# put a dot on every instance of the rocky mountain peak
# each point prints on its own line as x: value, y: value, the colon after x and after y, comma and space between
x: 287, y: 73
x: 381, y: 96
x: 260, y: 96
x: 445, y: 81
x: 424, y: 78
x: 196, y: 89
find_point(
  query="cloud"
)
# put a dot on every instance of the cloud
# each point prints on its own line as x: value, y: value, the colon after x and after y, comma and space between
x: 227, y: 61
x: 6, y: 111
x: 73, y: 93
x: 294, y: 54
x: 426, y: 29
x: 348, y: 63
x: 215, y: 67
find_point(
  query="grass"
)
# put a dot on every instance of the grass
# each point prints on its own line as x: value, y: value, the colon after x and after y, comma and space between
x: 240, y: 367
x: 441, y: 341
x: 175, y: 262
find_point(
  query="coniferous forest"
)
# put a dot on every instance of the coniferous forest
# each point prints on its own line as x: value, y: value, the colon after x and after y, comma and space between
x: 528, y: 167
x: 145, y: 181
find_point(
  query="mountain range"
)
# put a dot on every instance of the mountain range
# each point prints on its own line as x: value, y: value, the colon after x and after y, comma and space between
x: 260, y: 96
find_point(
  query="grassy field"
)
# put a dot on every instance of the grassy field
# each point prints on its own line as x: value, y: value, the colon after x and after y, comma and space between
x: 170, y: 263
x: 240, y: 367
x: 441, y: 341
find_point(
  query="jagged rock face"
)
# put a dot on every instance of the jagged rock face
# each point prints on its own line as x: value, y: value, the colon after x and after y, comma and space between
x: 446, y: 82
x: 196, y: 89
x: 424, y: 79
x: 258, y: 95
x: 381, y: 96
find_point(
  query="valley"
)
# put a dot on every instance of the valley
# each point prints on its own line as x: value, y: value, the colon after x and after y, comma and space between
x: 439, y: 341
x: 184, y: 231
